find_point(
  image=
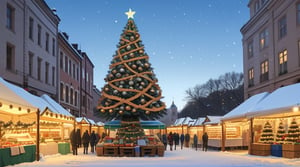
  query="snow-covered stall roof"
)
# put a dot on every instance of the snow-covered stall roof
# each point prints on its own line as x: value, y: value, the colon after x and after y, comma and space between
x: 55, y: 106
x: 199, y: 121
x: 187, y: 120
x: 100, y: 123
x: 213, y: 120
x: 82, y: 120
x: 282, y: 100
x: 241, y: 110
x: 91, y: 121
x: 10, y: 95
x: 178, y: 121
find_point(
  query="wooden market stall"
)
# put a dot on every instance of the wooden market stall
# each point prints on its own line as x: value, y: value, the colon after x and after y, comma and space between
x: 213, y: 128
x: 236, y: 125
x: 56, y: 124
x: 197, y: 129
x: 149, y: 145
x: 83, y: 124
x: 275, y: 124
x: 18, y: 122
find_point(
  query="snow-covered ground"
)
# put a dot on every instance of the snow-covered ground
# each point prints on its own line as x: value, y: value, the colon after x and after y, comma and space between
x: 186, y: 157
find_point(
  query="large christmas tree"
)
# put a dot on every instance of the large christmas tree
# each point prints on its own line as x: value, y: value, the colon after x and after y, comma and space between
x: 131, y: 91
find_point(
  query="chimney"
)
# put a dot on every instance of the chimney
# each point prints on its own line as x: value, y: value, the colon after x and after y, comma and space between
x: 66, y: 35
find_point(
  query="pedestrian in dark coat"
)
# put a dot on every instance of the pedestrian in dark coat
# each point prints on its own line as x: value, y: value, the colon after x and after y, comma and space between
x: 165, y: 140
x: 78, y: 137
x: 187, y: 140
x: 93, y: 139
x: 170, y: 140
x: 176, y: 139
x: 181, y: 140
x: 205, y: 141
x: 74, y: 143
x: 85, y: 141
x: 195, y: 141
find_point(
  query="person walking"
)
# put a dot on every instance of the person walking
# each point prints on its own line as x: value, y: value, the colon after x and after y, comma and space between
x: 176, y: 139
x: 78, y: 137
x: 170, y: 140
x: 205, y: 141
x: 195, y: 141
x: 93, y: 139
x: 74, y: 143
x: 165, y: 140
x: 187, y: 140
x: 85, y: 141
x: 181, y: 140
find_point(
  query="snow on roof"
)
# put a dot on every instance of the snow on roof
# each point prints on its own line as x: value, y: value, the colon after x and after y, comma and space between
x: 91, y: 121
x: 199, y: 121
x: 82, y: 120
x: 282, y: 98
x: 100, y: 123
x: 241, y: 110
x: 11, y: 94
x: 179, y: 121
x: 53, y: 105
x: 187, y: 120
x: 213, y: 120
x: 191, y: 122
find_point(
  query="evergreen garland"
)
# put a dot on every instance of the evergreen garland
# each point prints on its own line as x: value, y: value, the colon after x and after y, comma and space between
x: 267, y: 134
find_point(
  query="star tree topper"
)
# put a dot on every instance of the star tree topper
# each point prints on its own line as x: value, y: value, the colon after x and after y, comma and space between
x: 130, y: 13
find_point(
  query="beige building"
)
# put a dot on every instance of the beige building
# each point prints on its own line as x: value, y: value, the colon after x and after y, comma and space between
x: 28, y: 45
x: 271, y: 45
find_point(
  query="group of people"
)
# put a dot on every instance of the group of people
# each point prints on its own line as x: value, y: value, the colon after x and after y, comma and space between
x: 86, y: 139
x: 174, y: 138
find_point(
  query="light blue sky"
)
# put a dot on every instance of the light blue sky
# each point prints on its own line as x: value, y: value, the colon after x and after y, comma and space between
x: 188, y: 41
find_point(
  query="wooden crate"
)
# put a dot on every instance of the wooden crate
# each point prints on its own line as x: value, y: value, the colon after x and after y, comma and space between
x: 148, y: 151
x: 110, y: 151
x: 291, y: 151
x: 160, y: 151
x: 99, y: 150
x: 260, y: 149
x: 127, y: 151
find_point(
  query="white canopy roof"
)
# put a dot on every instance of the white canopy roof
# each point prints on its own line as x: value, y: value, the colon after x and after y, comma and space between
x: 241, y: 110
x: 53, y: 105
x: 213, y: 120
x: 279, y: 101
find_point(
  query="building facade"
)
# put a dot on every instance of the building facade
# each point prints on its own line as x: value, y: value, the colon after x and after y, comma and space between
x: 69, y: 74
x: 28, y: 45
x: 271, y: 45
x: 171, y: 116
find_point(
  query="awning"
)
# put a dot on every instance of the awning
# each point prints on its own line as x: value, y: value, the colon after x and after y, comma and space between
x: 115, y: 124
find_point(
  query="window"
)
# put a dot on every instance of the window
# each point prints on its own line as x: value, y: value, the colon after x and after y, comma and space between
x: 61, y: 92
x: 30, y: 64
x: 66, y: 64
x: 39, y: 68
x: 77, y: 73
x: 61, y: 60
x: 47, y: 42
x: 39, y: 34
x: 10, y: 17
x: 53, y: 47
x: 10, y: 57
x: 53, y: 76
x: 71, y: 96
x: 74, y: 71
x: 264, y: 71
x: 299, y: 53
x: 47, y: 72
x: 282, y: 27
x: 83, y: 101
x: 256, y: 6
x: 263, y: 39
x: 251, y: 77
x: 76, y: 99
x: 67, y: 94
x: 250, y: 49
x: 283, y: 62
x: 298, y: 13
x: 31, y: 28
x: 70, y: 67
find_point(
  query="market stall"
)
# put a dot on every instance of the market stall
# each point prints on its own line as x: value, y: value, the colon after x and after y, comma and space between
x: 83, y: 124
x: 149, y: 145
x: 275, y: 123
x: 56, y: 124
x: 236, y: 125
x: 18, y: 121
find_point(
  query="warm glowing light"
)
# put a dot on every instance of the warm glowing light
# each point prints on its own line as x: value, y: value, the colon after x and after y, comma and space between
x: 295, y: 109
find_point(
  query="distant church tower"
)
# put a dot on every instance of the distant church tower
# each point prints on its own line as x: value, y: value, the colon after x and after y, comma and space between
x: 171, y: 116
